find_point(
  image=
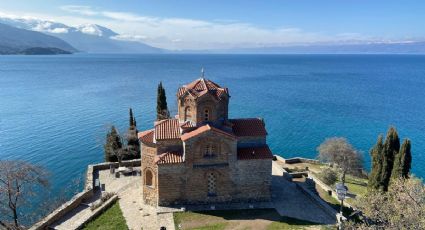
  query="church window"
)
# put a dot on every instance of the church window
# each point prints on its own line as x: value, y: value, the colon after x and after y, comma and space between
x: 206, y: 114
x: 149, y: 178
x: 209, y: 150
x: 187, y: 114
x: 211, y: 184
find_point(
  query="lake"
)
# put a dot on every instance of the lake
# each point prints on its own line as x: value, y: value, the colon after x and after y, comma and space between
x: 55, y: 110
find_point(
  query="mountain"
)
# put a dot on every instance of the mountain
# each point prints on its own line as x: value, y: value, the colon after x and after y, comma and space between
x: 14, y: 40
x: 90, y: 38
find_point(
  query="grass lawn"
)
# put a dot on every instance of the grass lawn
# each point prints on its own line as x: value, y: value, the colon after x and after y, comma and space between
x: 261, y: 219
x: 111, y: 219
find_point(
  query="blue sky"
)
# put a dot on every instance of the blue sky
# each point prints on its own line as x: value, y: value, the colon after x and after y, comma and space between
x: 199, y: 24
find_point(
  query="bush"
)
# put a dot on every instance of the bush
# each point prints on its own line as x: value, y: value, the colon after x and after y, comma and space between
x: 328, y: 176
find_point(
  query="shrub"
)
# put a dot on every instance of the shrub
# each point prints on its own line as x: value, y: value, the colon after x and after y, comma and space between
x: 328, y: 176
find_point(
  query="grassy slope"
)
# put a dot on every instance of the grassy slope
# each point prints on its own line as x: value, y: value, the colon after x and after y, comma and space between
x: 111, y: 219
x: 219, y: 220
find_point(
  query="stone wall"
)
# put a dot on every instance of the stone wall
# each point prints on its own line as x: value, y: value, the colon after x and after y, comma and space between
x: 62, y: 210
x: 254, y: 179
x: 148, y: 164
x: 300, y: 160
x: 86, y: 194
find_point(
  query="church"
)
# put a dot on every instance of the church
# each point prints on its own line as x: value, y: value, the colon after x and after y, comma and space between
x: 201, y: 156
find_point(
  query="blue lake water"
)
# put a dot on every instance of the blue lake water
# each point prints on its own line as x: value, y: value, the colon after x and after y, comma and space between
x: 56, y: 110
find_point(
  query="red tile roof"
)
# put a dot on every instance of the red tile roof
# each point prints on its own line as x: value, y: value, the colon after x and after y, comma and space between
x: 146, y: 136
x: 248, y: 127
x: 203, y: 129
x: 169, y: 158
x: 167, y: 129
x: 253, y: 153
x: 202, y: 86
x: 187, y: 124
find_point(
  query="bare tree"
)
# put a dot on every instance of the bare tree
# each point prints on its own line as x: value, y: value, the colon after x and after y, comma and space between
x: 19, y: 182
x: 338, y: 151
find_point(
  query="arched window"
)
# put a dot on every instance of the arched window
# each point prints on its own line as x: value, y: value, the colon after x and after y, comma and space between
x: 209, y: 150
x: 187, y: 114
x: 148, y: 178
x: 211, y: 184
x: 206, y: 114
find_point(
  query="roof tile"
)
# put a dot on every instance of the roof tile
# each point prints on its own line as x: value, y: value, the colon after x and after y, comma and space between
x: 248, y: 127
x: 171, y: 157
x: 167, y: 129
x: 203, y: 129
x: 146, y: 136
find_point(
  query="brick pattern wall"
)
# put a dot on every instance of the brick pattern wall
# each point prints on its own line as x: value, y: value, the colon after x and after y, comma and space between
x: 254, y: 180
x: 187, y: 183
x: 150, y: 193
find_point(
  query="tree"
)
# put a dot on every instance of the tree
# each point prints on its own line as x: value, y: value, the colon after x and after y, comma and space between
x: 375, y: 177
x: 161, y: 105
x: 390, y: 150
x: 338, y: 151
x: 401, y: 207
x: 402, y: 161
x: 132, y: 121
x: 113, y: 145
x: 19, y: 183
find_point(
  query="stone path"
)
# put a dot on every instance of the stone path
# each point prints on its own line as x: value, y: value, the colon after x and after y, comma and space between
x: 290, y: 201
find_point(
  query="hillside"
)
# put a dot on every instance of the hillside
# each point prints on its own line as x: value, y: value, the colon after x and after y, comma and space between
x: 89, y: 38
x: 14, y: 40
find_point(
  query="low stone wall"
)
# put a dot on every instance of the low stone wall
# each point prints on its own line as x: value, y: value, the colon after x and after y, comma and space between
x: 99, y: 211
x: 327, y: 188
x: 62, y: 210
x: 332, y: 212
x: 91, y: 169
x: 87, y: 193
x: 300, y: 160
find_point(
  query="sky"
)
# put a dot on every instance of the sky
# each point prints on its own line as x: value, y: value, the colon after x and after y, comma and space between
x: 200, y: 24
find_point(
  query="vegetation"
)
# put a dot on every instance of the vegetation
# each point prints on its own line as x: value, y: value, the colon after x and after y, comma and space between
x: 118, y: 149
x: 133, y: 145
x: 389, y: 161
x: 20, y: 182
x: 401, y: 207
x: 113, y: 145
x: 161, y: 104
x: 339, y: 152
x: 403, y: 161
x: 112, y: 219
x: 230, y: 219
x: 328, y: 176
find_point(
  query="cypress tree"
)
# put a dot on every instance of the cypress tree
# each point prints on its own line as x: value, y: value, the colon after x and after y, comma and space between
x: 391, y: 149
x: 161, y: 103
x: 377, y: 160
x: 403, y: 161
x: 113, y: 145
x: 131, y: 120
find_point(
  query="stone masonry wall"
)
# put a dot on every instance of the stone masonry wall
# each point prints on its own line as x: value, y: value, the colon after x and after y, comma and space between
x: 149, y: 192
x: 254, y: 179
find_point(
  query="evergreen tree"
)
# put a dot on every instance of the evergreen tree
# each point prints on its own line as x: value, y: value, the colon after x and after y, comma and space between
x: 377, y: 160
x: 131, y: 121
x: 161, y: 103
x: 391, y: 149
x: 113, y: 145
x: 402, y: 162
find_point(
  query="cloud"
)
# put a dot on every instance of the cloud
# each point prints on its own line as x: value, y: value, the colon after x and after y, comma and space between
x: 83, y: 10
x: 188, y: 33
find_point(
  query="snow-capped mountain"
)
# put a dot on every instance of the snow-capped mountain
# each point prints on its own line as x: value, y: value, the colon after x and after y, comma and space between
x: 15, y: 41
x: 90, y: 38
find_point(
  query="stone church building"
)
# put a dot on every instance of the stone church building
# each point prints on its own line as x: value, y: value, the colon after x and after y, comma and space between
x: 201, y: 156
